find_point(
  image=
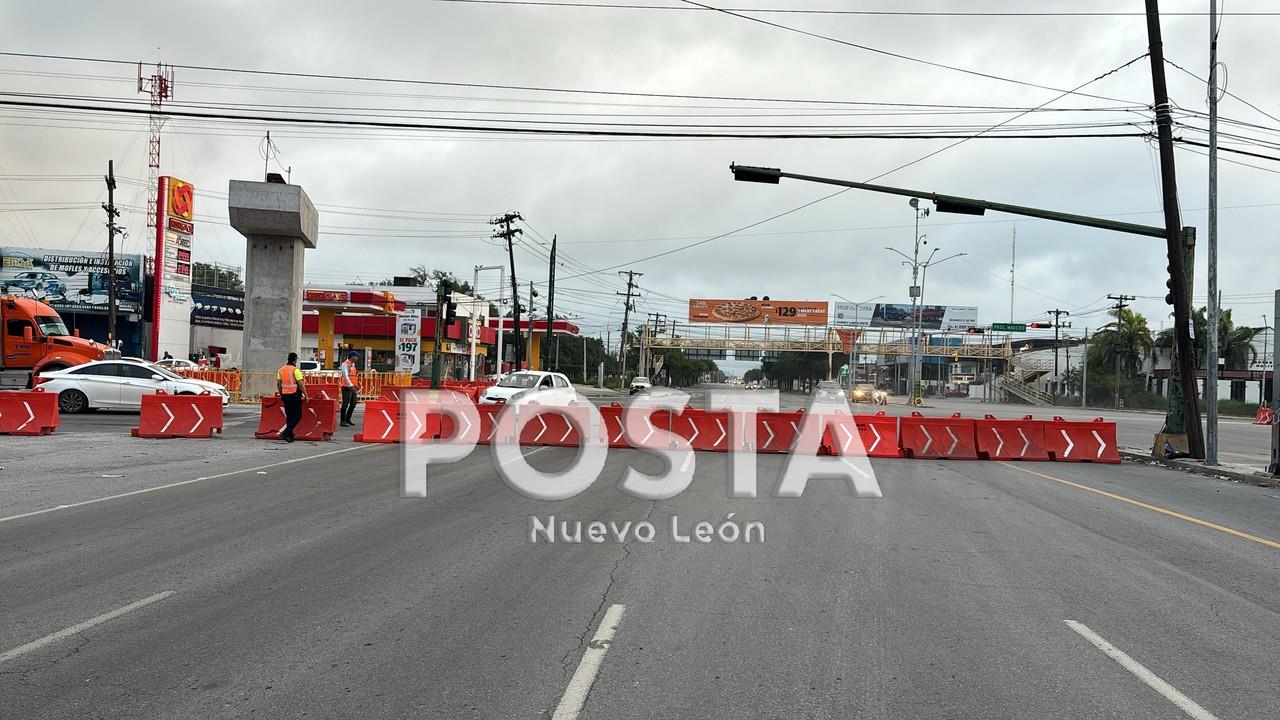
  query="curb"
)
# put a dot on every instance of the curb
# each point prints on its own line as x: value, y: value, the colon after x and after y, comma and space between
x: 1257, y: 478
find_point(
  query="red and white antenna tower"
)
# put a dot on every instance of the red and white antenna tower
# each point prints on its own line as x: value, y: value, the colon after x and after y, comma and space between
x: 160, y: 87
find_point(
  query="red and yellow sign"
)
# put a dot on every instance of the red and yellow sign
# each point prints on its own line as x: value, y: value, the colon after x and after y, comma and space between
x: 758, y: 312
x: 333, y: 296
x: 181, y: 202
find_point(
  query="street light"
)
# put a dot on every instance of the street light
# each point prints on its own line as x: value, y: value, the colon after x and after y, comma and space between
x: 853, y: 345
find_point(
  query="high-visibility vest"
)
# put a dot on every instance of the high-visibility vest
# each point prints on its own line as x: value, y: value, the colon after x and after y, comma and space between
x: 288, y: 380
x: 349, y: 374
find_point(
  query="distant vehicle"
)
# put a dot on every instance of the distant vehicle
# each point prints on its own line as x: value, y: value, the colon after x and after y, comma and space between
x: 36, y: 284
x: 119, y: 384
x: 309, y: 365
x: 640, y: 383
x: 544, y: 388
x: 863, y: 392
x: 177, y: 364
x: 829, y: 392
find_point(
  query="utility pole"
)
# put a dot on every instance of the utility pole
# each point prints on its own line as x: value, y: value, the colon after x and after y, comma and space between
x: 509, y: 233
x: 1057, y: 325
x: 112, y: 214
x: 1178, y: 295
x: 532, y: 294
x: 1121, y: 304
x: 1084, y: 373
x: 1013, y: 263
x: 443, y: 290
x: 1211, y: 359
x: 551, y: 299
x: 626, y: 316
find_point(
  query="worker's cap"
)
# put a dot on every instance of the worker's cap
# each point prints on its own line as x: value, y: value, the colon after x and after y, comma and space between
x: 353, y: 353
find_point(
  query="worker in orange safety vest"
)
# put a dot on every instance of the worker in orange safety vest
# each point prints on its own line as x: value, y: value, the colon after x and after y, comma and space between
x: 293, y: 392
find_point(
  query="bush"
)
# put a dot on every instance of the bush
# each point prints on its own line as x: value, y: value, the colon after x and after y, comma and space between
x: 1237, y: 408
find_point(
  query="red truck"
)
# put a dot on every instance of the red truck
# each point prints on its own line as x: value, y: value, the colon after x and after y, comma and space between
x: 34, y: 339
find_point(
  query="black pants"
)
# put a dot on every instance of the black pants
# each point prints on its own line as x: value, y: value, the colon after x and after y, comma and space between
x: 349, y: 400
x: 292, y: 413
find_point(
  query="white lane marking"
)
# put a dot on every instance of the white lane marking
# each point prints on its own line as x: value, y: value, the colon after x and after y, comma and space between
x: 168, y: 412
x: 575, y: 695
x: 1000, y: 445
x: 531, y: 452
x: 1026, y: 443
x: 1069, y: 443
x: 722, y: 433
x: 81, y: 627
x: 180, y: 483
x: 1170, y: 693
x: 198, y: 422
x: 1101, y: 445
x: 925, y: 449
x: 30, y: 415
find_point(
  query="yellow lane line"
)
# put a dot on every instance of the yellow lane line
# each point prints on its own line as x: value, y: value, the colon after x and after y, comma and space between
x: 1153, y: 508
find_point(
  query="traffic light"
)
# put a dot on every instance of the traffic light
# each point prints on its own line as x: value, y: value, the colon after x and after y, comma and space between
x: 450, y: 311
x: 1040, y: 326
x: 976, y: 331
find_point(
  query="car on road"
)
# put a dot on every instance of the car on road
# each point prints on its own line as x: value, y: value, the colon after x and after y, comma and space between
x: 177, y: 364
x: 829, y: 392
x: 36, y: 284
x: 119, y: 384
x: 863, y: 392
x: 640, y: 383
x: 545, y: 388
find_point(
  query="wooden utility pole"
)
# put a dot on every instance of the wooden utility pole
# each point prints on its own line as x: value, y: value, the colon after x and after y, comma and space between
x: 1184, y: 353
x: 509, y: 233
x: 551, y: 302
x: 626, y: 317
x: 112, y: 214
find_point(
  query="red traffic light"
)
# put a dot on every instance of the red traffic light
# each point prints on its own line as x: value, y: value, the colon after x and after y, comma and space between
x: 1040, y: 326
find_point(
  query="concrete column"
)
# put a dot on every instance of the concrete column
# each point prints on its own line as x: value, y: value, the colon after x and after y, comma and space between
x: 279, y: 223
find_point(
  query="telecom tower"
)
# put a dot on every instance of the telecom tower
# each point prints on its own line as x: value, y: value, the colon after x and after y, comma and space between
x: 160, y: 87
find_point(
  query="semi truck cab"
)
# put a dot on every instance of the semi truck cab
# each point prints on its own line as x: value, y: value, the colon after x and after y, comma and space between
x: 34, y: 339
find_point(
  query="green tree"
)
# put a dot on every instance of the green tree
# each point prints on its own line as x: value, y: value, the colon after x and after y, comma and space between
x: 1126, y: 340
x: 1235, y: 344
x: 753, y: 375
x: 218, y: 276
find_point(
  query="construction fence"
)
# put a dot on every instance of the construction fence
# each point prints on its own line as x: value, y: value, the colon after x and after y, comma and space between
x: 251, y: 387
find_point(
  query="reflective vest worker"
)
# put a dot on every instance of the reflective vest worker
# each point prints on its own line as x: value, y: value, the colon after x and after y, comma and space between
x: 293, y: 392
x: 350, y: 394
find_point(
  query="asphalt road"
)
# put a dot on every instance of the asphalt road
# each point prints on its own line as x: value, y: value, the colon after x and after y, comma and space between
x: 295, y: 582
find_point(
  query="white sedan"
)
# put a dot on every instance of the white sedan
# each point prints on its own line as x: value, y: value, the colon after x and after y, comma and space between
x: 119, y: 384
x: 544, y: 388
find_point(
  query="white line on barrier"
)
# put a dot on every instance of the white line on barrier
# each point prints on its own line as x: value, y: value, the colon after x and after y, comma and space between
x: 575, y: 695
x: 1170, y: 693
x: 81, y: 627
x: 181, y: 483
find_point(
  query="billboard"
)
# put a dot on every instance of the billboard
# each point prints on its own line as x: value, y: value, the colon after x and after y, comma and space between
x: 171, y: 295
x: 71, y: 281
x: 932, y: 317
x: 211, y: 307
x: 758, y: 312
x: 409, y: 341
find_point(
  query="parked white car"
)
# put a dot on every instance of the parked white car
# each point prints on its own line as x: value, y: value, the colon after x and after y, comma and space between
x: 119, y: 384
x: 544, y: 388
x: 640, y: 383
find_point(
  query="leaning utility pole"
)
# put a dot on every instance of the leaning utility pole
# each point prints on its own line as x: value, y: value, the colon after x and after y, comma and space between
x: 532, y: 294
x: 1013, y: 265
x: 112, y: 214
x: 1057, y: 325
x: 1121, y: 304
x: 626, y: 316
x: 551, y: 301
x: 509, y: 233
x: 1184, y: 353
x: 1211, y: 354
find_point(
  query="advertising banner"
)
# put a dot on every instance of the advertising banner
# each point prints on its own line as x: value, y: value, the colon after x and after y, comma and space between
x: 175, y: 229
x: 71, y: 281
x: 932, y: 317
x: 758, y: 312
x: 409, y: 341
x: 217, y: 308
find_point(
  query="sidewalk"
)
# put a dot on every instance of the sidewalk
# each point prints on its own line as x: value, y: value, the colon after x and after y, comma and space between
x: 1251, y: 474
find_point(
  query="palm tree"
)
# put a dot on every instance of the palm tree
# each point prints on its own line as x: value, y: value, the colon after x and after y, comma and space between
x: 1126, y: 340
x: 1235, y: 344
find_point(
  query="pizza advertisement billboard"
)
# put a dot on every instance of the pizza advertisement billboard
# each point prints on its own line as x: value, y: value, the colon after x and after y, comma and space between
x: 758, y: 312
x: 932, y: 317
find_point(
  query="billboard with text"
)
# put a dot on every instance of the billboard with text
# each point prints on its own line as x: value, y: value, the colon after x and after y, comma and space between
x: 932, y: 317
x: 758, y: 312
x: 70, y: 280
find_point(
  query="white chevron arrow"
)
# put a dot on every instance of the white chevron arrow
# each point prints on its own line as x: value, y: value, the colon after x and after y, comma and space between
x: 646, y: 435
x: 417, y: 432
x: 619, y: 438
x: 954, y: 441
x: 30, y: 415
x: 168, y: 412
x: 1000, y: 444
x: 875, y: 432
x: 542, y: 422
x: 696, y: 432
x: 722, y: 433
x: 929, y: 442
x: 568, y: 429
x: 771, y: 435
x: 463, y: 418
x: 848, y: 438
x: 1101, y: 445
x: 1069, y: 443
x: 1026, y: 443
x: 390, y: 422
x: 199, y: 415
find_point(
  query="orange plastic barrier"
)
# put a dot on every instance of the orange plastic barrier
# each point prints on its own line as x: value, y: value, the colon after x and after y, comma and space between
x: 611, y: 425
x: 776, y: 431
x: 319, y: 419
x: 28, y: 412
x: 703, y: 429
x: 325, y: 391
x: 938, y: 438
x: 381, y: 422
x: 1264, y: 416
x: 1010, y: 439
x: 878, y: 432
x: 179, y: 416
x: 392, y: 393
x: 1082, y: 441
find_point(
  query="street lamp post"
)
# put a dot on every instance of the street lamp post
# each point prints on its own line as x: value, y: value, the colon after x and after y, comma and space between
x: 476, y: 301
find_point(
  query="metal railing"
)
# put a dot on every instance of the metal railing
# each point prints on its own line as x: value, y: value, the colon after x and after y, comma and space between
x: 251, y: 387
x: 820, y: 338
x: 1030, y: 393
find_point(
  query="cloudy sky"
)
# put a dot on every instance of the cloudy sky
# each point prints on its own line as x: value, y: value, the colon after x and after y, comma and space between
x: 392, y: 198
